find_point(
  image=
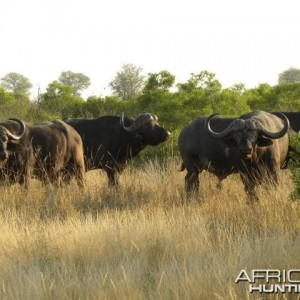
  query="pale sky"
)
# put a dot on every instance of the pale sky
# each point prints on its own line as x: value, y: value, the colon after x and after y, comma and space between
x: 241, y: 41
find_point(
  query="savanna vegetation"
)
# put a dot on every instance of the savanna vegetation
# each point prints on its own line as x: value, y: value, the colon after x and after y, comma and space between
x: 145, y: 240
x: 132, y: 93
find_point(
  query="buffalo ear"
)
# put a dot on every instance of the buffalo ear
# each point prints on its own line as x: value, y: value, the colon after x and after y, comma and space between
x: 264, y: 142
x: 229, y: 142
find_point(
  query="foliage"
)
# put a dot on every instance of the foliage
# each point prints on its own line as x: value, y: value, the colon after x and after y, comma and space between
x: 16, y: 83
x: 286, y: 97
x: 77, y: 81
x: 232, y: 103
x: 259, y: 98
x: 128, y: 82
x: 294, y: 163
x: 204, y: 80
x: 7, y: 102
x: 14, y: 105
x: 202, y: 94
x: 163, y: 80
x: 60, y: 101
x: 289, y: 76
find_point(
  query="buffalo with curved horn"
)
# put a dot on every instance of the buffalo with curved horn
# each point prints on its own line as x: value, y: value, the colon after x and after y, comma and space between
x: 109, y: 142
x: 7, y: 137
x: 244, y: 145
x: 46, y: 150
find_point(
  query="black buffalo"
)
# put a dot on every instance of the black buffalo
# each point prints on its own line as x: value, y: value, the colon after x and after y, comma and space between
x: 294, y: 119
x: 111, y: 141
x: 245, y: 145
x: 46, y: 150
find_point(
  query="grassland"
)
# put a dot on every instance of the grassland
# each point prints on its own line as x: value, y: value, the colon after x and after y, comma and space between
x: 145, y: 240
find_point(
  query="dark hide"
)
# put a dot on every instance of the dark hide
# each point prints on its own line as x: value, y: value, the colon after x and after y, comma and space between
x: 108, y: 146
x: 47, y: 151
x: 244, y: 151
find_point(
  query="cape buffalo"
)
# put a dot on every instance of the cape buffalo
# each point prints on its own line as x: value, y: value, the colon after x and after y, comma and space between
x: 111, y: 141
x: 294, y: 119
x: 224, y: 146
x: 45, y: 150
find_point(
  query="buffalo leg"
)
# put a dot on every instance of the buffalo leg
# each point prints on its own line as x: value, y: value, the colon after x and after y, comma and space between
x: 55, y: 179
x: 74, y: 169
x: 192, y: 180
x: 112, y: 177
x: 78, y: 162
x: 66, y: 177
x: 27, y: 171
x: 25, y: 179
x: 80, y: 174
x: 273, y: 172
x: 219, y: 184
x: 250, y: 183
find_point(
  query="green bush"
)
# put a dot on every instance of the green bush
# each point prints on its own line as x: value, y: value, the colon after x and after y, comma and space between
x: 294, y: 164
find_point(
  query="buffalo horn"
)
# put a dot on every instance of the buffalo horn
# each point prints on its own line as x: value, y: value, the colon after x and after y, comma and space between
x: 219, y: 135
x: 280, y: 133
x: 138, y: 122
x: 155, y: 118
x: 20, y: 134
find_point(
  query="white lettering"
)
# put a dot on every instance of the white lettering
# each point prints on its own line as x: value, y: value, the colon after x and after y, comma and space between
x: 241, y: 278
x: 279, y: 288
x: 273, y: 274
x: 270, y: 290
x: 258, y: 274
x: 275, y: 288
x: 255, y: 288
x: 271, y: 280
x: 289, y: 275
x: 292, y: 287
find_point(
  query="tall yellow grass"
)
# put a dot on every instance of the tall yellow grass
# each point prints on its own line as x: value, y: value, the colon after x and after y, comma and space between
x: 144, y: 240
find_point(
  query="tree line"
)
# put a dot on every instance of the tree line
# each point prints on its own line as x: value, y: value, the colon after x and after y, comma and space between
x: 133, y: 93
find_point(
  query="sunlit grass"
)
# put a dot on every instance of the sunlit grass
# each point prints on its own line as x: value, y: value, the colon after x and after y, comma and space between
x: 144, y: 240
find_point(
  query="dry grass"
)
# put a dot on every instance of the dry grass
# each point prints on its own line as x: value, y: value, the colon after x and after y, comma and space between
x: 144, y: 240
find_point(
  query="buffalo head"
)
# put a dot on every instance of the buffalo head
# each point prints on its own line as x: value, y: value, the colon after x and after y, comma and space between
x: 7, y: 139
x: 247, y: 134
x: 146, y: 129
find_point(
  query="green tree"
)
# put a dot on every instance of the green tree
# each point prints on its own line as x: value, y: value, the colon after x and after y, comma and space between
x: 260, y: 97
x: 289, y: 76
x: 231, y: 101
x: 16, y: 83
x: 204, y: 81
x: 7, y: 102
x: 59, y: 101
x: 239, y: 88
x: 93, y: 107
x: 190, y: 85
x: 128, y: 82
x: 163, y: 80
x: 285, y: 96
x: 77, y: 81
x: 14, y: 105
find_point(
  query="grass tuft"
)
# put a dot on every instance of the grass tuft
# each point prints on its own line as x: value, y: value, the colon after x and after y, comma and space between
x: 145, y: 239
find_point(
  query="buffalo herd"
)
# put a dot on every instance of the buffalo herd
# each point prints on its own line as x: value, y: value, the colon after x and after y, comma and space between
x: 57, y: 151
x: 251, y: 145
